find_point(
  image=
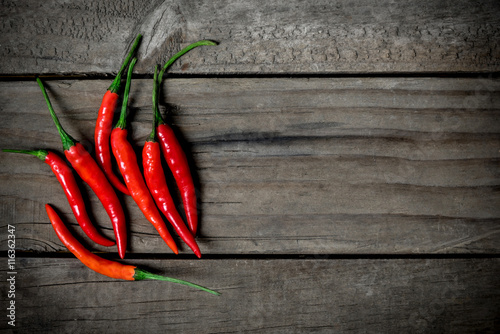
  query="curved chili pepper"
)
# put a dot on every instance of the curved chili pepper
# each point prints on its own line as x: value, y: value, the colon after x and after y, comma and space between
x: 89, y: 171
x: 127, y: 162
x: 68, y: 182
x: 103, y: 266
x: 175, y: 156
x: 104, y: 124
x: 155, y: 180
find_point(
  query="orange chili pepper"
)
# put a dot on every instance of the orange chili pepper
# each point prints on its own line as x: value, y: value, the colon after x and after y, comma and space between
x: 103, y: 266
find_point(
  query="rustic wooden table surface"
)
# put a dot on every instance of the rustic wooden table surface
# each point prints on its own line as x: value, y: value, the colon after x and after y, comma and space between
x: 346, y: 157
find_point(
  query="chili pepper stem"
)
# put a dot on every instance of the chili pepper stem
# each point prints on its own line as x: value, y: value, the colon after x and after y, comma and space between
x: 115, y: 85
x: 40, y: 154
x: 122, y: 122
x: 188, y: 48
x: 157, y: 119
x: 183, y: 51
x: 152, y: 135
x: 142, y: 274
x: 66, y: 139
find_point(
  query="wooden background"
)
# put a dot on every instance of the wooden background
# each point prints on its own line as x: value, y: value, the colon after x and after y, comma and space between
x: 346, y: 156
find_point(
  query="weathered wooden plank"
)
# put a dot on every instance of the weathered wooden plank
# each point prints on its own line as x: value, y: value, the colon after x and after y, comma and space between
x: 301, y: 166
x: 255, y: 37
x: 262, y: 296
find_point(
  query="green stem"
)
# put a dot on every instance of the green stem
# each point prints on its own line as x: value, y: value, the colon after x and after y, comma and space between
x: 158, y: 120
x: 158, y: 117
x: 182, y: 52
x: 152, y: 135
x: 40, y: 154
x: 122, y: 122
x: 115, y: 85
x: 142, y: 274
x: 66, y: 139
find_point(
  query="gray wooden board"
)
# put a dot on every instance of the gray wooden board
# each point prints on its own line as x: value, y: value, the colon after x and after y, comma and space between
x: 285, y: 36
x: 288, y: 166
x: 263, y: 296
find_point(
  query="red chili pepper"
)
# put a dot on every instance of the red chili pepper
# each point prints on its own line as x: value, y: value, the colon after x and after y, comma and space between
x: 127, y: 162
x: 104, y: 124
x: 175, y: 156
x: 89, y: 171
x: 68, y: 182
x: 103, y: 266
x: 155, y: 179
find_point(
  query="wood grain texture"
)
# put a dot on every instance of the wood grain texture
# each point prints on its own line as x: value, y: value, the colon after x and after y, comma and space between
x: 348, y: 36
x: 340, y: 190
x: 288, y: 166
x: 263, y: 296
